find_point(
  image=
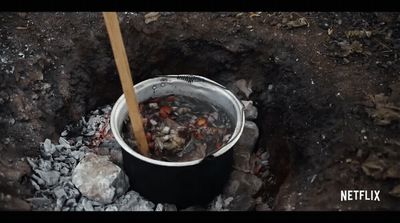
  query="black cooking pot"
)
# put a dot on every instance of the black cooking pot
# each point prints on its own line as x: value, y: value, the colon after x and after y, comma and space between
x: 183, y: 186
x: 188, y: 183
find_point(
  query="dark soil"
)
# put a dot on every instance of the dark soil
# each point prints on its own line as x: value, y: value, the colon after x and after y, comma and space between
x: 312, y: 84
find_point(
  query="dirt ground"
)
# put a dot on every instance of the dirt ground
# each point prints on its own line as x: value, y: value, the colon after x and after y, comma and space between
x: 326, y: 85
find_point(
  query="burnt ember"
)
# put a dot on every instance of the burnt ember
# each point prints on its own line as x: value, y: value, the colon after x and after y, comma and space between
x: 180, y: 128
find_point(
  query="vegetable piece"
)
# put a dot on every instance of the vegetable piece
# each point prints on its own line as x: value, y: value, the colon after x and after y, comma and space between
x: 165, y: 111
x: 201, y: 121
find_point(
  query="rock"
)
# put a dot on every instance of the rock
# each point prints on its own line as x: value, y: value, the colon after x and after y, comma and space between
x: 227, y: 201
x: 59, y: 192
x: 59, y: 204
x: 48, y: 148
x: 65, y: 152
x: 217, y: 204
x: 50, y: 177
x: 244, y: 147
x: 70, y: 202
x: 111, y: 143
x: 60, y: 158
x: 57, y: 166
x: 73, y: 193
x: 242, y: 203
x: 393, y: 172
x: 159, y: 207
x: 71, y: 161
x: 87, y: 205
x: 112, y: 208
x: 245, y: 87
x: 395, y: 192
x: 38, y: 180
x: 103, y: 151
x: 79, y: 207
x: 78, y: 155
x: 374, y: 166
x: 64, y: 142
x: 44, y: 165
x: 64, y: 133
x: 98, y: 209
x: 241, y: 159
x: 31, y: 162
x: 134, y: 202
x: 250, y: 110
x: 151, y: 17
x: 242, y: 184
x: 116, y: 156
x: 35, y: 185
x: 99, y: 179
x: 64, y: 171
x: 249, y: 136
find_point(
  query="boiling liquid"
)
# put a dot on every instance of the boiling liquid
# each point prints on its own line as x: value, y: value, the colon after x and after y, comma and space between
x: 180, y: 128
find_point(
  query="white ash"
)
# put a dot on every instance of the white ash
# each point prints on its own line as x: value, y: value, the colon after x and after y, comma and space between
x: 53, y: 169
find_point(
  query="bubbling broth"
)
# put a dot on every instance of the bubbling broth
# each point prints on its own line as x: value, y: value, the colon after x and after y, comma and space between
x: 180, y: 128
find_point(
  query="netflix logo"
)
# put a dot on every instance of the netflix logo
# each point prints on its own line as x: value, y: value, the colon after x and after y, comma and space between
x: 359, y: 195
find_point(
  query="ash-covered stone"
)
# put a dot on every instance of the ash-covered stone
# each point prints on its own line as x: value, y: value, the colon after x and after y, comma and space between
x: 250, y: 110
x: 71, y: 202
x: 132, y: 201
x: 99, y: 179
x: 44, y: 165
x: 244, y: 147
x: 49, y: 177
x: 243, y: 183
x: 249, y: 136
x: 59, y: 192
x: 87, y: 205
x: 111, y: 208
x: 103, y: 151
x: 63, y: 142
x: 48, y: 148
x: 116, y: 156
x: 77, y: 154
x: 217, y: 204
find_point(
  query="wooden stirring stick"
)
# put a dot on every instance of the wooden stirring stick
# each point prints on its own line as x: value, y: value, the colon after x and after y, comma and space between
x: 114, y: 32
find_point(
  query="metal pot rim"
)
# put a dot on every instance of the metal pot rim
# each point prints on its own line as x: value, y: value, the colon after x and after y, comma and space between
x: 122, y: 103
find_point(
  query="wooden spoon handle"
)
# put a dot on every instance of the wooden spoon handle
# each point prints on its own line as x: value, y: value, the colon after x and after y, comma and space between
x: 121, y: 60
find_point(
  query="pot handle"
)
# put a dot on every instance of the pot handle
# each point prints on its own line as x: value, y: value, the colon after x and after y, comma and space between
x: 191, y: 78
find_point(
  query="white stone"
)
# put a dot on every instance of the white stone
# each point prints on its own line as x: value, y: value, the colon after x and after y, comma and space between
x: 48, y: 147
x: 134, y: 202
x: 99, y: 179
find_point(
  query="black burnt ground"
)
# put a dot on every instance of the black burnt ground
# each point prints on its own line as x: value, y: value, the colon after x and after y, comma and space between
x: 326, y: 85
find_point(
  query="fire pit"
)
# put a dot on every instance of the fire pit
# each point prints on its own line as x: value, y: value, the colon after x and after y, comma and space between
x: 182, y: 183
